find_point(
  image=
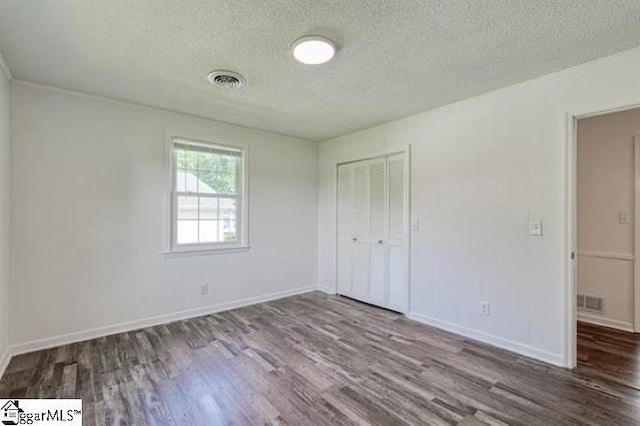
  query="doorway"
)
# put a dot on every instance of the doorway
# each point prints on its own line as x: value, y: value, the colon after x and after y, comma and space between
x: 606, y: 241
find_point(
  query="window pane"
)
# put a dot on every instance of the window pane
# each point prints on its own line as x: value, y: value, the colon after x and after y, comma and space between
x: 181, y: 180
x: 191, y: 160
x: 181, y: 162
x: 209, y: 232
x: 191, y: 181
x: 208, y: 208
x: 187, y: 207
x: 205, y: 161
x: 225, y: 183
x: 207, y: 182
x: 226, y: 164
x: 227, y: 209
x: 187, y: 232
x: 229, y: 230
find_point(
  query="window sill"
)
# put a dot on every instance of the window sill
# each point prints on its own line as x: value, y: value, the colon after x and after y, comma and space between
x: 204, y: 251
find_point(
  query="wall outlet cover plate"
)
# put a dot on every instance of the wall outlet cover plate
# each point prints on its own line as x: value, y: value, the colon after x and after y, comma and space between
x: 535, y: 228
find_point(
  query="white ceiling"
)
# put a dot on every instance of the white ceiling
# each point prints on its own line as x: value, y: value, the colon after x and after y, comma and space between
x: 397, y: 57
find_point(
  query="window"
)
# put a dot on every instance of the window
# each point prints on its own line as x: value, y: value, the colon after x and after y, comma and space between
x: 207, y: 207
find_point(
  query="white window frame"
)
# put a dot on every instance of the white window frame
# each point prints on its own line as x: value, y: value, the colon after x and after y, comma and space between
x: 242, y: 206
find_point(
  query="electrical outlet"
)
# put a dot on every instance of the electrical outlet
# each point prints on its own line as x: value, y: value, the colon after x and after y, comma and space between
x: 484, y: 309
x: 204, y: 289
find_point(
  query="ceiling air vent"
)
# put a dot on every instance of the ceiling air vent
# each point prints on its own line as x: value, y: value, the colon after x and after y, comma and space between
x: 226, y: 79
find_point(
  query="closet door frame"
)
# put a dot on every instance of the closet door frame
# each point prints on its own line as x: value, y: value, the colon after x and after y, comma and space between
x: 406, y: 150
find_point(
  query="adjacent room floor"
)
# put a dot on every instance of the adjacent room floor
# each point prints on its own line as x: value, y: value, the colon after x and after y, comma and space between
x: 611, y: 356
x: 319, y: 359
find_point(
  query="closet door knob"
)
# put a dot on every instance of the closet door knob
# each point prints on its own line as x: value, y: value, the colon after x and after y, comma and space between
x: 354, y: 239
x: 379, y: 241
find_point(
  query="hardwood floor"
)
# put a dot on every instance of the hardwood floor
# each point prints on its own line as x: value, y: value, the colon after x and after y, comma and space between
x: 317, y: 359
x: 610, y: 355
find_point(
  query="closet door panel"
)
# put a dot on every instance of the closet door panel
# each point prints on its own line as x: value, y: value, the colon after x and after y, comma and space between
x: 345, y: 227
x: 398, y: 278
x: 361, y: 199
x: 378, y: 198
x: 361, y: 270
x: 398, y: 274
x: 378, y: 232
x: 378, y: 277
x: 397, y: 198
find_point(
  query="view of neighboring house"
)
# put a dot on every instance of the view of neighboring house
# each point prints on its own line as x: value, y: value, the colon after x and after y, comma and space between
x: 203, y: 215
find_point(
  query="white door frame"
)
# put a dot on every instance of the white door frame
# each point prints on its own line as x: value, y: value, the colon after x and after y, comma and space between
x: 570, y: 293
x: 406, y: 150
x: 636, y: 234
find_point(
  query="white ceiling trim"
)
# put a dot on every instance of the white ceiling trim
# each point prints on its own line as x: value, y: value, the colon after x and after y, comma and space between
x: 5, y: 67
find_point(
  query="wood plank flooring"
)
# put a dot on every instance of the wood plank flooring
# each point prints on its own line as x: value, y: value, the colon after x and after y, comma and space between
x: 316, y: 359
x: 609, y: 355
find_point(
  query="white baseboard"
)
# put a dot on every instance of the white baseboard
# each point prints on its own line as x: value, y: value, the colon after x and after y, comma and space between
x: 4, y: 360
x: 522, y: 349
x: 605, y: 322
x: 65, y: 339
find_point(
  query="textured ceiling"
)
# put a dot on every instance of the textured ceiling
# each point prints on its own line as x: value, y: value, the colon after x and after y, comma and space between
x: 397, y: 57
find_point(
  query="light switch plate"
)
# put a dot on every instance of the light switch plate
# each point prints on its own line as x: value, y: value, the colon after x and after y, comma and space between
x: 535, y: 228
x: 624, y: 218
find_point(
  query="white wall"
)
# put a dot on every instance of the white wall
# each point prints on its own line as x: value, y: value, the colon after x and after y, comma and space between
x: 5, y: 230
x: 605, y: 189
x: 90, y: 206
x: 481, y: 169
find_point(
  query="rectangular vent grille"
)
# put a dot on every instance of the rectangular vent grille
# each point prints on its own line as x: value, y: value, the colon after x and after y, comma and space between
x: 590, y: 303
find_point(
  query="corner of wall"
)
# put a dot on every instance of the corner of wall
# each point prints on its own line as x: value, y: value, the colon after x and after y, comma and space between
x: 327, y: 290
x: 5, y: 342
x: 4, y: 66
x: 5, y: 358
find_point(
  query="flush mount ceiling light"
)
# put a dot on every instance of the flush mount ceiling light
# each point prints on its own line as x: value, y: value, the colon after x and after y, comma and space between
x: 226, y: 79
x: 313, y: 50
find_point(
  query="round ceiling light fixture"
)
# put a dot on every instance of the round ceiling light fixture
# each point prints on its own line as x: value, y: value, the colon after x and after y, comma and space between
x: 226, y: 79
x: 313, y: 50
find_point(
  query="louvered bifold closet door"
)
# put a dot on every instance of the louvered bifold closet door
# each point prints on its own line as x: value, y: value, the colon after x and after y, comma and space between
x: 372, y: 231
x: 361, y: 247
x: 398, y: 274
x: 345, y: 227
x: 378, y: 231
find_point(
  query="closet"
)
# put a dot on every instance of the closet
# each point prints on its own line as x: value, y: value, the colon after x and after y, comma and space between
x: 372, y: 246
